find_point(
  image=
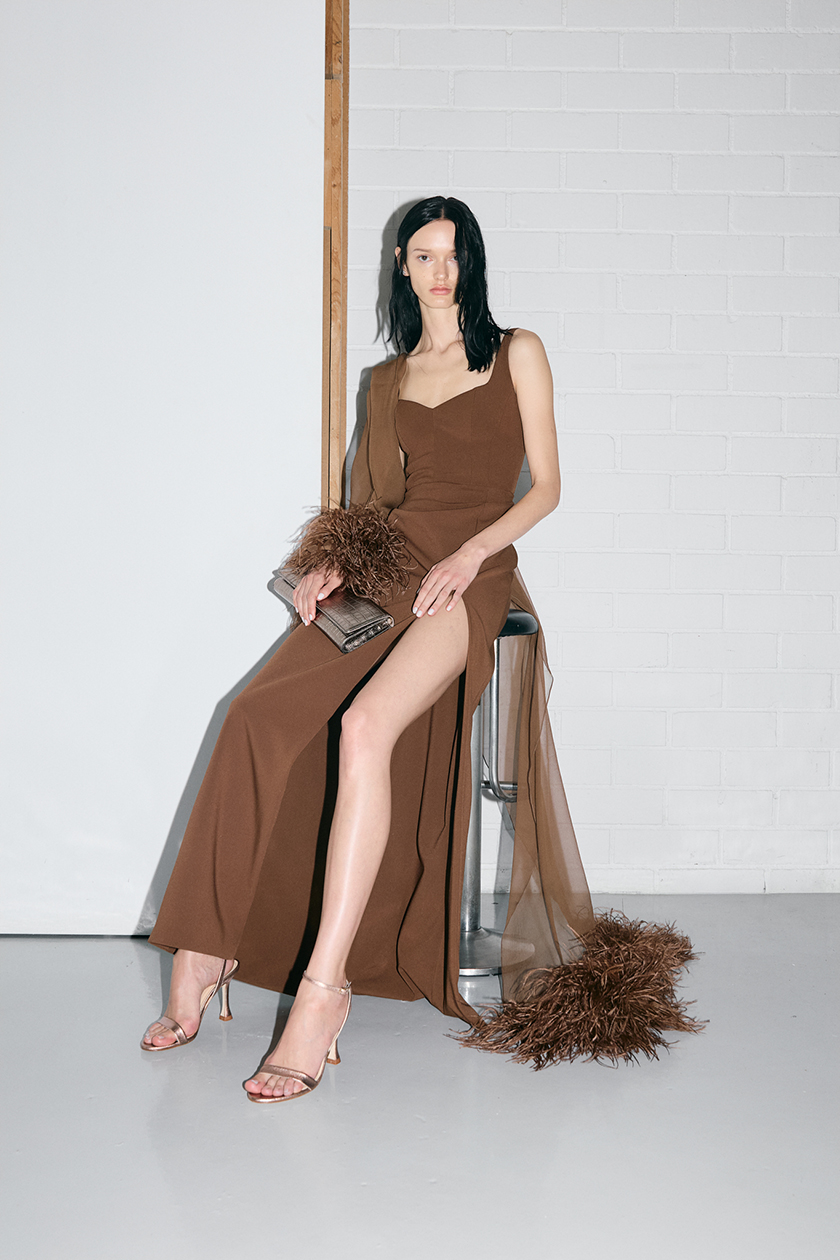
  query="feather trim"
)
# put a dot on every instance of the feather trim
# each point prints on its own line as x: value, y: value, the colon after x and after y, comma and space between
x: 614, y: 1002
x: 368, y: 551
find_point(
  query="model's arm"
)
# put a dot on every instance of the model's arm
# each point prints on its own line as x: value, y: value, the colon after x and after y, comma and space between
x: 531, y: 378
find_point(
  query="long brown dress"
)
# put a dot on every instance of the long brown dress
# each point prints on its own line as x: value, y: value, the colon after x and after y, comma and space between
x: 247, y: 883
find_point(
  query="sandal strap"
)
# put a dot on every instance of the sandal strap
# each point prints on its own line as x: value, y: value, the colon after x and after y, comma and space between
x: 173, y: 1026
x: 334, y: 988
x: 275, y: 1070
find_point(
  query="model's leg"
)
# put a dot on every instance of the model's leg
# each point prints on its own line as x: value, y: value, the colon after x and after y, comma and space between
x: 425, y: 662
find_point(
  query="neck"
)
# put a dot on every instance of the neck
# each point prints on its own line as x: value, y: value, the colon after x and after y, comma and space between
x: 440, y: 330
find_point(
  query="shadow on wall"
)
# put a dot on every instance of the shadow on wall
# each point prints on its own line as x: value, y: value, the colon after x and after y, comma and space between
x: 154, y: 896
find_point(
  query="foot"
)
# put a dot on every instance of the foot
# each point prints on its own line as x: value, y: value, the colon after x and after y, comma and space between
x: 191, y: 974
x: 313, y: 1021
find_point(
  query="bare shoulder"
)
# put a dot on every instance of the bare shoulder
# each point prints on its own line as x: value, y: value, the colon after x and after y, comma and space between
x: 527, y: 357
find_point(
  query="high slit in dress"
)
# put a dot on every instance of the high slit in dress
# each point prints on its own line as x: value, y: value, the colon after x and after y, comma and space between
x: 248, y: 879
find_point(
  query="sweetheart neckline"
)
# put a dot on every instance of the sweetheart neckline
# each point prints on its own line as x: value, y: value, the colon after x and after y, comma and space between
x: 462, y: 394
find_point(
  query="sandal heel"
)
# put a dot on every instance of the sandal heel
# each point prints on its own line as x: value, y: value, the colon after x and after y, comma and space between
x: 333, y: 1056
x: 226, y: 1013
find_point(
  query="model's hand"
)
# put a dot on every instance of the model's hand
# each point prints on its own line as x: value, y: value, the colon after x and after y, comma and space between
x: 447, y: 580
x: 312, y: 588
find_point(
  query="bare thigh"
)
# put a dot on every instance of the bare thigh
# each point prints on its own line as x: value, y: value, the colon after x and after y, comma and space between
x: 424, y: 663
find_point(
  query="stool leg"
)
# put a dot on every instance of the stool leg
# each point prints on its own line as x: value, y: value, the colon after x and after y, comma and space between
x: 480, y: 952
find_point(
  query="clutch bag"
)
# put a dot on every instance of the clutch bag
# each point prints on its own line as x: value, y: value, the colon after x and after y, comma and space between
x: 347, y: 619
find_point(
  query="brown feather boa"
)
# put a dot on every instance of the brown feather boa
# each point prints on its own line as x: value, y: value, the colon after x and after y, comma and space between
x: 366, y: 550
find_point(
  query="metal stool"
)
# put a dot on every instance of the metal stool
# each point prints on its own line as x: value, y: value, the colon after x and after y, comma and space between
x: 480, y: 953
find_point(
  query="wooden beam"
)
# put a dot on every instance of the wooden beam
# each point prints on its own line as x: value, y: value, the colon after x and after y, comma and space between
x: 336, y: 109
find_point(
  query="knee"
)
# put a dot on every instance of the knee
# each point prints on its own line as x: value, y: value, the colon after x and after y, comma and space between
x: 361, y: 733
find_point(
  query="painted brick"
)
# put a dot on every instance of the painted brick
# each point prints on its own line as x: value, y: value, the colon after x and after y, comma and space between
x: 700, y: 572
x: 563, y: 49
x: 619, y: 170
x: 724, y: 730
x: 785, y: 293
x: 618, y: 251
x: 617, y: 331
x: 373, y: 48
x: 490, y: 168
x: 785, y: 52
x: 717, y: 332
x: 577, y: 370
x: 821, y: 14
x: 624, y: 804
x: 580, y: 530
x: 622, y: 90
x: 734, y: 92
x: 563, y: 130
x: 508, y: 14
x: 540, y: 568
x: 675, y: 51
x: 543, y: 323
x: 728, y: 415
x: 582, y: 689
x: 817, y: 92
x: 375, y: 127
x: 785, y: 214
x: 490, y: 208
x: 675, y: 453
x: 814, y: 334
x: 782, y: 534
x: 709, y: 880
x: 813, y: 415
x: 817, y: 254
x: 789, y: 375
x: 711, y: 807
x: 564, y: 210
x: 777, y: 690
x: 674, y: 293
x: 812, y: 730
x: 673, y: 531
x: 728, y: 494
x: 400, y: 88
x: 573, y: 611
x: 723, y: 651
x: 817, y: 496
x: 730, y: 254
x: 821, y: 880
x: 773, y: 846
x: 673, y: 371
x: 597, y: 728
x: 733, y: 15
x: 665, y: 847
x: 786, y: 133
x: 453, y: 48
x: 784, y: 455
x: 768, y: 767
x: 809, y: 808
x: 616, y: 572
x: 616, y: 492
x: 814, y: 174
x: 810, y: 651
x: 440, y: 128
x: 565, y: 291
x: 676, y: 133
x: 521, y: 251
x: 612, y: 650
x: 778, y: 612
x: 539, y: 89
x: 617, y: 413
x: 587, y: 451
x: 670, y: 611
x: 731, y: 173
x: 400, y: 13
x: 614, y: 881
x: 586, y: 766
x: 667, y: 689
x: 594, y: 844
x: 812, y: 573
x: 374, y: 167
x: 368, y: 207
x: 624, y: 14
x: 677, y: 212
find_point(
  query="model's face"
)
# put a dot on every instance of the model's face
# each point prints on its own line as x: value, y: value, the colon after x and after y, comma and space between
x: 431, y: 265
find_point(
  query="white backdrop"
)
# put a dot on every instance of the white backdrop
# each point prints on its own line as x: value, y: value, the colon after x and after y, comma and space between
x: 163, y: 211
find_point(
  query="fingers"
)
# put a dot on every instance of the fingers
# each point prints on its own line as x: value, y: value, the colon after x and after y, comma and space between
x: 311, y: 589
x: 440, y: 589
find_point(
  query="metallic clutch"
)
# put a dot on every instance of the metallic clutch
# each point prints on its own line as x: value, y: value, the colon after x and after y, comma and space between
x: 346, y: 619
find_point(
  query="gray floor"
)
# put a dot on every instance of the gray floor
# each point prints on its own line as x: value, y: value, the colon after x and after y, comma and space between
x: 415, y: 1147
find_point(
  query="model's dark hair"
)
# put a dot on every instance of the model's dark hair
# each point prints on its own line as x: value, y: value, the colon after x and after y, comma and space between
x: 482, y: 335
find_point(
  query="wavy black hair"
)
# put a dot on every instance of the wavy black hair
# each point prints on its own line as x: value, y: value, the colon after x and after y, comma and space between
x: 482, y: 335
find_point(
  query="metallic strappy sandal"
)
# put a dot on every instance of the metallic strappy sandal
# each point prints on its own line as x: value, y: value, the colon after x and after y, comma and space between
x: 309, y: 1082
x: 207, y: 996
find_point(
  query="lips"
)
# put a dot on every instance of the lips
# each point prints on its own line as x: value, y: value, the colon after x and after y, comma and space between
x: 440, y: 291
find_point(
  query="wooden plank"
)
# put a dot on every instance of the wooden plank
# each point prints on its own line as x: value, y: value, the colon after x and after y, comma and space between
x: 336, y: 101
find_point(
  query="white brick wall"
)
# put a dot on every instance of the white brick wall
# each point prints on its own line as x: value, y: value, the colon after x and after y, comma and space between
x: 659, y: 185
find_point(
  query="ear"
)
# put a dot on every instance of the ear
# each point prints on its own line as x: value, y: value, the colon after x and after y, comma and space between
x: 403, y: 269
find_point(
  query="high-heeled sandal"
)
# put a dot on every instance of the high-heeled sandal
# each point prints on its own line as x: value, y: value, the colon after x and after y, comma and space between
x: 309, y: 1082
x: 207, y: 995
